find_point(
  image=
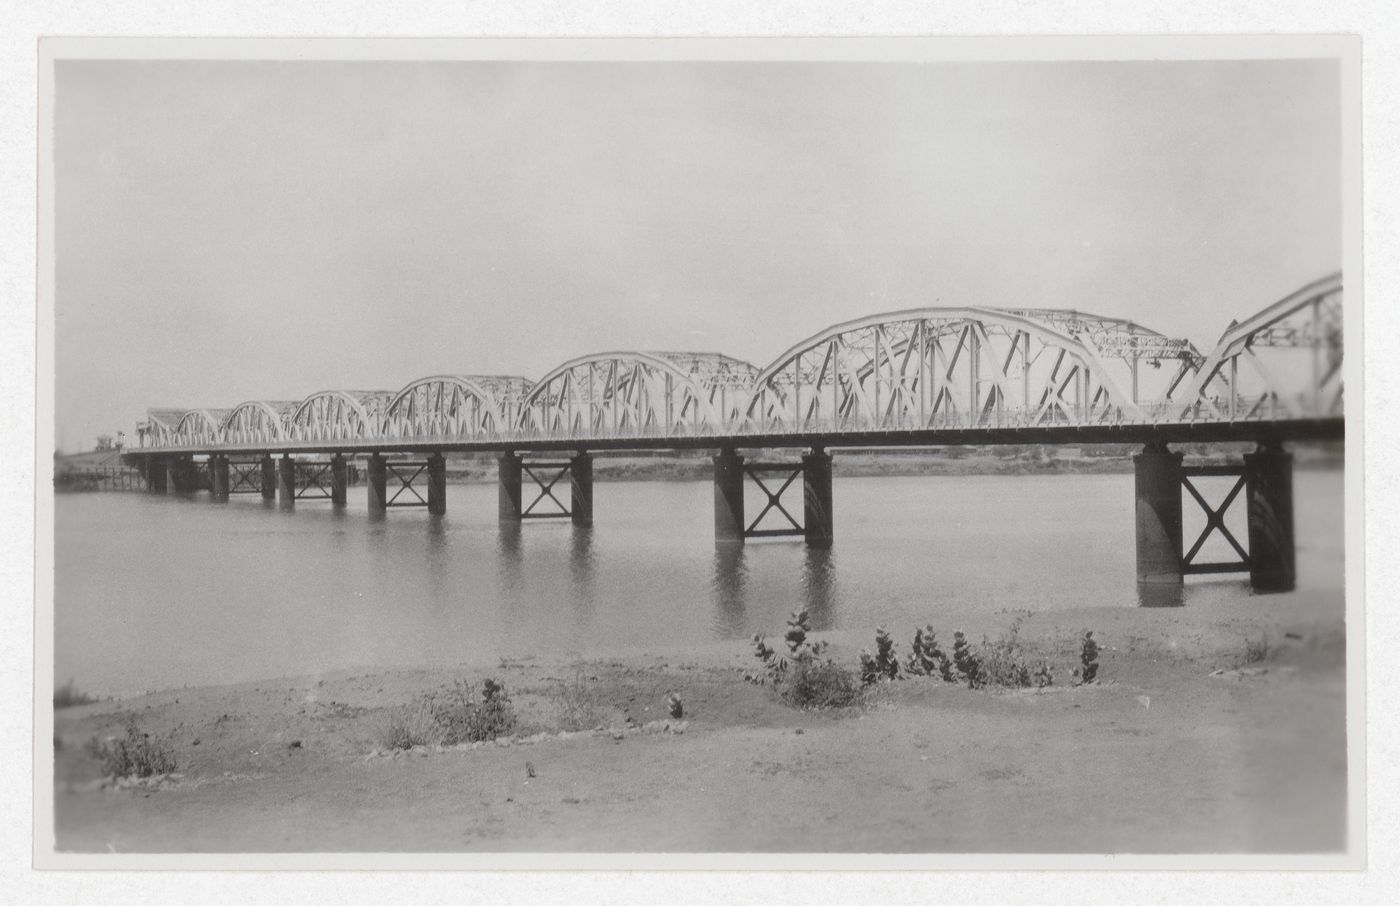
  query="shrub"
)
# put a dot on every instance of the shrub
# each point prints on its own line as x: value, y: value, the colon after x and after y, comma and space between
x: 68, y: 696
x: 820, y: 684
x: 1044, y: 677
x: 1254, y: 652
x: 967, y: 664
x: 799, y: 650
x: 578, y: 704
x: 460, y: 719
x: 1003, y: 662
x: 927, y: 659
x: 409, y: 726
x: 884, y: 664
x: 1088, y: 659
x: 136, y: 754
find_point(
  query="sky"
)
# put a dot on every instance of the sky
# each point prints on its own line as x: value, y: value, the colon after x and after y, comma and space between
x: 228, y: 231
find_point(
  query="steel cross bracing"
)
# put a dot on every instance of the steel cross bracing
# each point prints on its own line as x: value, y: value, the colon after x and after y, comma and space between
x: 554, y: 472
x: 972, y: 374
x: 1215, y: 520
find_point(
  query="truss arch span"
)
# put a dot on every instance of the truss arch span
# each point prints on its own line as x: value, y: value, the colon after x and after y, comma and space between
x: 199, y: 428
x: 944, y: 367
x: 455, y: 406
x: 256, y: 422
x: 339, y: 415
x: 639, y: 394
x: 1283, y: 362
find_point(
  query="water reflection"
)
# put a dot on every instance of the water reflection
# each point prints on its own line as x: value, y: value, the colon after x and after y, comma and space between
x: 728, y: 588
x: 819, y: 587
x: 439, y: 561
x: 1158, y: 594
x: 581, y: 566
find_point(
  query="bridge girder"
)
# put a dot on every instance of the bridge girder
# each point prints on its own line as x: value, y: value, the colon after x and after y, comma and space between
x: 936, y: 367
x: 1285, y: 361
x: 257, y: 422
x: 619, y: 394
x: 339, y: 415
x: 456, y: 406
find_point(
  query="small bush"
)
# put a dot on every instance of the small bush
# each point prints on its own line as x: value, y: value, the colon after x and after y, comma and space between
x: 968, y: 666
x: 775, y: 666
x: 1003, y: 662
x: 1043, y: 676
x: 460, y: 719
x: 409, y: 726
x: 68, y: 696
x: 1088, y: 659
x: 578, y: 705
x: 137, y: 754
x: 820, y: 684
x: 883, y: 664
x: 1254, y: 652
x: 927, y: 659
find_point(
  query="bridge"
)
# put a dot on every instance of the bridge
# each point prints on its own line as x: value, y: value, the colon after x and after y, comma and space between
x: 935, y: 376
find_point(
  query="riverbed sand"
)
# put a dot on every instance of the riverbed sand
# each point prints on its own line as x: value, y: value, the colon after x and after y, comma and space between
x: 1186, y: 743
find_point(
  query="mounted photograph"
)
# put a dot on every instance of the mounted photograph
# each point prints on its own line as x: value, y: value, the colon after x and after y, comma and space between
x: 685, y: 453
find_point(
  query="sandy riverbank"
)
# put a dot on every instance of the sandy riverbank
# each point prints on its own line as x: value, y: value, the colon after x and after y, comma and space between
x: 1182, y: 747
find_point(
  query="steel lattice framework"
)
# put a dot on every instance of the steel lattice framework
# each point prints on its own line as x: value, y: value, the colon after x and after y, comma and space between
x: 925, y: 369
x: 639, y: 394
x: 456, y: 406
x: 1285, y: 362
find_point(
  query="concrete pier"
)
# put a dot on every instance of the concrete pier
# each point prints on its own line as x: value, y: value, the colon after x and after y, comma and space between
x: 1157, y: 483
x: 287, y: 480
x: 269, y: 478
x: 338, y: 480
x: 376, y: 476
x: 581, y: 489
x: 1269, y: 484
x: 155, y: 476
x: 817, y: 521
x: 437, y: 484
x: 173, y: 482
x: 218, y: 477
x: 729, y: 497
x: 508, y: 473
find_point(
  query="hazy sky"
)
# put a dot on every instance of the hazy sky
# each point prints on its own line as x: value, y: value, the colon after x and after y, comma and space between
x: 243, y: 230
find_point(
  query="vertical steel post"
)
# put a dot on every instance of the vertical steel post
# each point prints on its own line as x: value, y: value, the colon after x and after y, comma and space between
x: 729, y: 497
x: 338, y: 482
x: 376, y: 477
x: 269, y: 477
x: 1157, y: 482
x: 218, y: 477
x: 581, y: 488
x: 1269, y: 484
x: 437, y: 484
x: 508, y: 487
x: 817, y: 520
x: 287, y: 479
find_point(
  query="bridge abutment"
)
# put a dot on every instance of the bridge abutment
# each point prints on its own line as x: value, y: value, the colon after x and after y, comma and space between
x: 1157, y: 486
x: 287, y: 480
x: 339, y: 472
x: 581, y: 489
x: 817, y: 521
x: 376, y: 480
x: 218, y: 477
x: 437, y: 484
x: 508, y: 472
x: 729, y: 497
x: 1272, y: 557
x: 269, y: 478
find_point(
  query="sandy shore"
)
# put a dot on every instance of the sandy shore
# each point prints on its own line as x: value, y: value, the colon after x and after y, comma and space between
x: 1182, y: 746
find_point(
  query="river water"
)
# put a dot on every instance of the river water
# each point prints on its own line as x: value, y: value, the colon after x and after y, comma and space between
x: 160, y: 592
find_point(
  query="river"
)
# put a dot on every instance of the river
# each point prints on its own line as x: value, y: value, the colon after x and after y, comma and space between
x: 160, y: 592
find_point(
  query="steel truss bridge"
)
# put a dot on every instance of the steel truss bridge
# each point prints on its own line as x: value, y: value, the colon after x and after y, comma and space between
x: 930, y: 376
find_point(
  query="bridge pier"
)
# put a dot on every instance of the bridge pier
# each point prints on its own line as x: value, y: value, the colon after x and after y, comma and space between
x: 581, y: 489
x: 729, y: 497
x: 817, y: 521
x: 376, y: 477
x: 218, y: 477
x: 269, y: 478
x: 155, y: 476
x: 1157, y: 486
x: 180, y: 475
x: 287, y: 479
x: 338, y: 480
x: 1269, y: 486
x: 508, y: 473
x: 437, y: 484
